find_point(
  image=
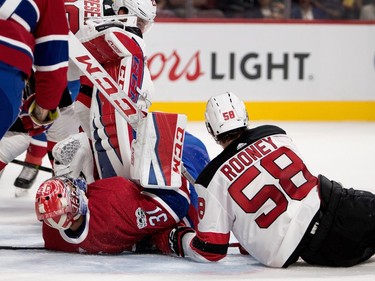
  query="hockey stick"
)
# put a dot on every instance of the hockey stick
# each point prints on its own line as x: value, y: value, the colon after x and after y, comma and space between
x: 25, y: 164
x: 28, y: 248
x: 21, y: 248
x: 187, y: 175
x: 234, y: 245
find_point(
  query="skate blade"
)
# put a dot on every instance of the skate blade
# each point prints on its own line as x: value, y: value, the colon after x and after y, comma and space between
x: 21, y: 192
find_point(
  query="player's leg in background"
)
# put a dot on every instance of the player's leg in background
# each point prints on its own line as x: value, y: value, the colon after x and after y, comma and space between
x: 35, y: 153
x: 11, y: 86
x: 64, y: 126
x: 346, y: 232
x: 13, y: 144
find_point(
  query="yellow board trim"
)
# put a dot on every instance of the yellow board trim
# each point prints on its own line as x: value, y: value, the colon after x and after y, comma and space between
x: 284, y: 111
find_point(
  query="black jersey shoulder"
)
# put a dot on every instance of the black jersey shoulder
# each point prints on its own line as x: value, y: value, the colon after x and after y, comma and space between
x: 248, y: 137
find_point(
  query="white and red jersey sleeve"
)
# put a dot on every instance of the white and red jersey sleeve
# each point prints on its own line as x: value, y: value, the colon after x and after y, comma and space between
x: 259, y: 189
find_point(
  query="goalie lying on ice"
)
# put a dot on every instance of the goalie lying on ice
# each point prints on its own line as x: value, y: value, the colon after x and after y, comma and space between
x: 112, y: 215
x: 108, y: 216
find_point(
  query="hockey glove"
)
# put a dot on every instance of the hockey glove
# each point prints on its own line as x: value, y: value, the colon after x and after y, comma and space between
x: 175, y: 239
x: 33, y: 125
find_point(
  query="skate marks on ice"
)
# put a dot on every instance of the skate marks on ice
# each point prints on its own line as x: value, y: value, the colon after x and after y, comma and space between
x: 39, y: 262
x: 36, y: 265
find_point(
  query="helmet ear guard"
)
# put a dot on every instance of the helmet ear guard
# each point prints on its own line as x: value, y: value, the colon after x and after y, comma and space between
x: 224, y: 113
x: 60, y: 201
x: 209, y: 128
x: 144, y: 10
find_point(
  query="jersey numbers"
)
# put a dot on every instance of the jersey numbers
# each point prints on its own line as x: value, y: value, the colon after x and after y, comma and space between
x: 229, y: 115
x: 72, y: 12
x: 78, y: 10
x: 201, y: 207
x: 157, y: 216
x: 294, y: 179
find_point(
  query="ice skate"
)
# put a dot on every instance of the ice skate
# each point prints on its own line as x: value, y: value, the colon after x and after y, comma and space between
x: 25, y: 180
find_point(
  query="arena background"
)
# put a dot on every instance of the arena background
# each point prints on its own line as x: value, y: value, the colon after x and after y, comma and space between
x: 284, y: 70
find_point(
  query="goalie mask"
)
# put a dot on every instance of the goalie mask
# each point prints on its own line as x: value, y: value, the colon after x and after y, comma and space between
x: 145, y: 10
x: 224, y: 113
x: 60, y: 201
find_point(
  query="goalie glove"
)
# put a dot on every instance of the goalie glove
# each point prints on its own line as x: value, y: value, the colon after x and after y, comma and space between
x: 175, y: 239
x: 73, y: 157
x: 33, y: 125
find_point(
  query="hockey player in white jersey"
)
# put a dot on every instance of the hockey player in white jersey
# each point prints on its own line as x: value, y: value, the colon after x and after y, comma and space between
x: 260, y: 189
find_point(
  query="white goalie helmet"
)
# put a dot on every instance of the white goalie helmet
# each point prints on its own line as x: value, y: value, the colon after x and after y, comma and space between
x: 144, y: 9
x: 225, y: 112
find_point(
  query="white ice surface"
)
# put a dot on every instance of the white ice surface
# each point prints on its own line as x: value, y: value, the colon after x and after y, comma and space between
x: 342, y: 151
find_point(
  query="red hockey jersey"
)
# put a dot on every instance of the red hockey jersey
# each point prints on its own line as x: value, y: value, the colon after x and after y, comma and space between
x: 35, y: 32
x: 119, y: 215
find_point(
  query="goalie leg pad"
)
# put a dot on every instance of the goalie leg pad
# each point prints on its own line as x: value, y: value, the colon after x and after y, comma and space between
x: 112, y: 137
x: 175, y: 201
x: 157, y: 150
